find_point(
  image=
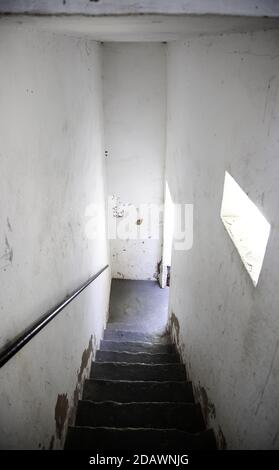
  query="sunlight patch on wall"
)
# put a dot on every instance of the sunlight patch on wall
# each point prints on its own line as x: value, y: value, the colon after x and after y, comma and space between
x: 247, y: 227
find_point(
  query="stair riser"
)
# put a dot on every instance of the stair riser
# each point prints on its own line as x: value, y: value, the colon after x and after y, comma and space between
x: 139, y: 327
x: 107, y: 345
x: 185, y: 417
x: 115, y: 335
x: 116, y: 371
x: 84, y: 438
x: 136, y: 358
x: 125, y: 392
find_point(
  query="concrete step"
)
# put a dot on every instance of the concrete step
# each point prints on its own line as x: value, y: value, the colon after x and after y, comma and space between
x: 129, y: 346
x: 120, y: 335
x: 128, y: 326
x: 122, y: 371
x: 124, y: 391
x: 88, y: 438
x: 139, y: 326
x: 183, y: 416
x: 136, y: 358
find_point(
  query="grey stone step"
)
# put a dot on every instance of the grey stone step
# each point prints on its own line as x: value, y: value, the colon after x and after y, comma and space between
x: 88, y: 438
x: 184, y: 416
x: 120, y: 335
x: 140, y: 326
x: 122, y: 371
x: 128, y: 326
x: 123, y: 391
x: 129, y: 346
x: 136, y: 358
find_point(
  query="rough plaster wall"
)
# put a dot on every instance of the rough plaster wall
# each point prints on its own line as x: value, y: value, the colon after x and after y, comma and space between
x: 223, y: 114
x: 134, y: 106
x: 51, y: 156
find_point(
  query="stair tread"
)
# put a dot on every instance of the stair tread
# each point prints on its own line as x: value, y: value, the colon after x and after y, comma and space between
x: 130, y: 428
x: 130, y: 371
x: 186, y: 416
x: 142, y: 403
x: 144, y: 343
x: 134, y: 382
x: 79, y: 437
x: 131, y: 401
x: 137, y: 357
x: 139, y: 390
x: 136, y: 346
x: 139, y: 327
x: 136, y: 364
x: 135, y: 336
x: 132, y: 353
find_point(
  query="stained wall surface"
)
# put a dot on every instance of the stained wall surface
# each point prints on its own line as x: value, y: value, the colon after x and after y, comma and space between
x: 52, y: 168
x: 135, y: 112
x: 223, y: 113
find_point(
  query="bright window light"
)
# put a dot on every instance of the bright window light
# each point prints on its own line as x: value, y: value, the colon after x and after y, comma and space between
x: 247, y: 227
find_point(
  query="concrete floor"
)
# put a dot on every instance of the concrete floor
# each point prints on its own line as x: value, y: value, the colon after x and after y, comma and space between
x: 138, y: 306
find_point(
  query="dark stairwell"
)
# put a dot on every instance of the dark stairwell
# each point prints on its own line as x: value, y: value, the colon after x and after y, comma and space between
x: 138, y: 396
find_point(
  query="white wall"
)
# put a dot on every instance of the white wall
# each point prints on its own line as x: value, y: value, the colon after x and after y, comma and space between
x: 51, y: 157
x: 223, y: 114
x: 134, y: 107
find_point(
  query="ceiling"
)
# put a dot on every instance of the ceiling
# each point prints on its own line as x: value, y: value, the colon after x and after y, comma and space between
x: 149, y: 28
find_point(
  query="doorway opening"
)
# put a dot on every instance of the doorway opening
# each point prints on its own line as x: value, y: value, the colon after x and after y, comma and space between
x: 165, y: 271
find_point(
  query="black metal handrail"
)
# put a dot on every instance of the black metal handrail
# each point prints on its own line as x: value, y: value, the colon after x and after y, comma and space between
x: 12, y: 348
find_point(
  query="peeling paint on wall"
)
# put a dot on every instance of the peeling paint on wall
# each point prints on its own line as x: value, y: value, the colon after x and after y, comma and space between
x: 61, y: 411
x: 45, y: 242
x: 175, y: 327
x: 134, y: 111
x: 7, y: 258
x: 85, y: 361
x: 230, y: 329
x: 86, y: 355
x: 64, y: 415
x: 208, y: 408
x: 118, y: 208
x: 9, y: 225
x: 85, y: 358
x: 201, y: 396
x: 62, y: 408
x: 221, y: 440
x: 51, y: 444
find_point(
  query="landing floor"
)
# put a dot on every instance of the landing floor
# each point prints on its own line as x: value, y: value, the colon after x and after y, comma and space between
x: 138, y: 305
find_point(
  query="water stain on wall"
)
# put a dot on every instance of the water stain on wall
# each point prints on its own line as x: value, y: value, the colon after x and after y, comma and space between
x: 9, y: 225
x: 7, y: 258
x: 157, y: 273
x: 8, y: 250
x: 174, y: 326
x: 222, y: 443
x: 61, y: 410
x: 207, y: 406
x: 117, y: 208
x: 51, y: 444
x: 85, y: 358
x: 86, y: 355
x: 73, y: 412
x: 269, y: 372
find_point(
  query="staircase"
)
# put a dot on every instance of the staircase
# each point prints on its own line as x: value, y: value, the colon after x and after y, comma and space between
x: 138, y: 398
